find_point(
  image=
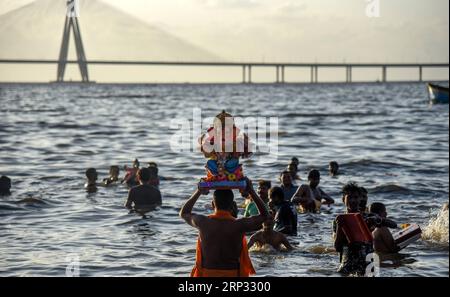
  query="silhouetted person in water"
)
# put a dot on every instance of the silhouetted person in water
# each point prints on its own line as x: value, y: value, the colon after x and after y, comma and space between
x: 145, y: 197
x: 333, y: 168
x: 5, y: 186
x: 311, y: 197
x: 269, y: 236
x: 91, y: 184
x: 383, y: 241
x: 114, y: 172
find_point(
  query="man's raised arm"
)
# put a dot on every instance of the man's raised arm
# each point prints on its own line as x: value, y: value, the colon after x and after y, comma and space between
x: 254, y: 223
x: 186, y: 211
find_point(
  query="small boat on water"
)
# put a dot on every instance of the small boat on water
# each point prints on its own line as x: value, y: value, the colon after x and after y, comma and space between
x: 438, y: 94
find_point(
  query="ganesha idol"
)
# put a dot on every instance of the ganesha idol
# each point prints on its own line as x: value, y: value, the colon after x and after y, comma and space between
x: 224, y: 145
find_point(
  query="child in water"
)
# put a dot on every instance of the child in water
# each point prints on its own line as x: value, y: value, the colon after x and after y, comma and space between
x: 271, y: 237
x: 131, y: 174
x: 114, y: 172
x: 352, y: 254
x: 383, y: 242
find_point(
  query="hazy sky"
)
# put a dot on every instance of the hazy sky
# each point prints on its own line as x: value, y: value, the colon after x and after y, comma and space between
x: 296, y: 30
x: 299, y: 30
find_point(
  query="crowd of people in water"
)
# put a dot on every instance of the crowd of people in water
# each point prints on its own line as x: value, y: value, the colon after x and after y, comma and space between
x: 270, y: 216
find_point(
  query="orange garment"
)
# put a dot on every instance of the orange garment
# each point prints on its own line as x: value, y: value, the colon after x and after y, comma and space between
x: 245, y: 263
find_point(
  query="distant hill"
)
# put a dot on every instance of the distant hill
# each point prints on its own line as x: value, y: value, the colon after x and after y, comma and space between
x: 35, y: 31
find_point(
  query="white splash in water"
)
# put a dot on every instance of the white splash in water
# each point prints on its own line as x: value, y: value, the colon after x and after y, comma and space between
x: 437, y: 228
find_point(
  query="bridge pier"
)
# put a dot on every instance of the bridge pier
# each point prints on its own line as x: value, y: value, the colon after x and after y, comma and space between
x: 282, y: 74
x: 384, y: 74
x: 420, y: 73
x: 249, y: 74
x: 244, y: 79
x: 277, y: 69
x: 314, y: 74
x: 349, y: 78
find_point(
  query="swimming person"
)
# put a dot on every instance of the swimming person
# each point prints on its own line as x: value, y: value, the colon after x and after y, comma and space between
x: 311, y: 197
x: 333, y: 168
x: 145, y: 197
x: 131, y: 174
x: 113, y: 178
x: 285, y: 214
x: 269, y: 236
x: 5, y: 186
x: 287, y: 185
x: 263, y: 192
x: 383, y: 241
x: 154, y: 177
x: 91, y: 184
x: 352, y: 254
x: 222, y: 247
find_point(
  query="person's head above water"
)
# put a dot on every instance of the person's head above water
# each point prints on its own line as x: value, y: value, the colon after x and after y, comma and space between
x: 286, y: 178
x: 5, y: 185
x: 276, y: 195
x: 144, y: 175
x: 263, y: 189
x: 333, y: 168
x: 295, y: 161
x: 351, y: 196
x: 136, y: 163
x: 314, y: 178
x: 223, y: 200
x: 153, y: 171
x: 91, y: 174
x: 379, y: 209
x: 152, y: 164
x: 114, y: 171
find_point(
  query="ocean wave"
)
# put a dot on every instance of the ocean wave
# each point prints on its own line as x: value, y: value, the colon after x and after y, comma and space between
x: 121, y: 96
x: 372, y: 163
x: 341, y: 115
x: 437, y: 229
x: 389, y: 188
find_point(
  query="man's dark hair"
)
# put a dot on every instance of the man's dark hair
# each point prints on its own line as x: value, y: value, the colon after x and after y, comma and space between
x: 153, y: 172
x: 364, y: 190
x: 277, y: 192
x: 351, y: 187
x: 377, y: 208
x: 90, y: 172
x: 314, y: 174
x: 144, y: 174
x: 265, y: 183
x: 295, y: 161
x: 223, y: 199
x: 5, y: 184
x: 334, y: 164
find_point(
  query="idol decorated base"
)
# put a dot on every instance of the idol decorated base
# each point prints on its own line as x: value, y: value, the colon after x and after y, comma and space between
x: 406, y: 236
x: 223, y: 185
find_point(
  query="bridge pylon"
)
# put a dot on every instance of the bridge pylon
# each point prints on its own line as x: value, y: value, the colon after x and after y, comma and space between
x: 72, y: 25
